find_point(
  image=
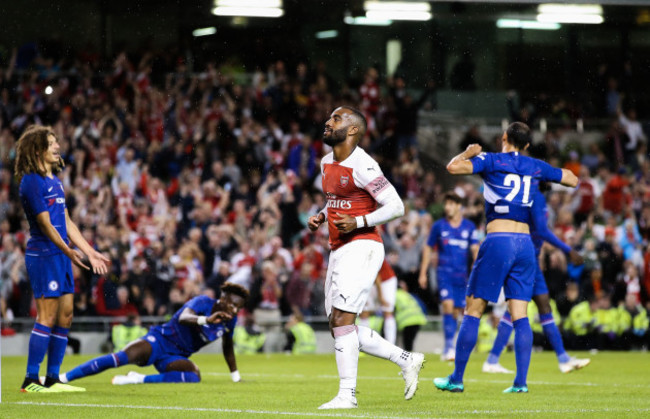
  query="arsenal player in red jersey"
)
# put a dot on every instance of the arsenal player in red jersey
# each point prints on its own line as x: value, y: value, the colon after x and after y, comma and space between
x: 359, y: 198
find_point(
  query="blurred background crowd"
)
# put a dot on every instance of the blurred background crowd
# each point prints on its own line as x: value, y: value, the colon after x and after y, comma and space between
x: 187, y: 178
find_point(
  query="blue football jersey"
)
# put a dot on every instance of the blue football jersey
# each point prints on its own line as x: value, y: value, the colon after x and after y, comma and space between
x: 539, y: 231
x: 39, y: 194
x: 510, y: 181
x: 189, y: 339
x: 452, y: 244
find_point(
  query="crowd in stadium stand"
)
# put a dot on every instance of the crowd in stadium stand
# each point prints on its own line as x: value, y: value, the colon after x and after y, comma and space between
x: 188, y: 179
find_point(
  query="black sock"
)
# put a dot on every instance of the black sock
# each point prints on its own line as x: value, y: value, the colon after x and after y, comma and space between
x: 29, y: 381
x: 49, y: 381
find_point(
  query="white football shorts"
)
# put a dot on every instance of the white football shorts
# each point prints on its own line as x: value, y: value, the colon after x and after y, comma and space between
x: 351, y: 274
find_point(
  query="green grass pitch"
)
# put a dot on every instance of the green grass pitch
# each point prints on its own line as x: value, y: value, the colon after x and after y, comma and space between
x: 614, y: 385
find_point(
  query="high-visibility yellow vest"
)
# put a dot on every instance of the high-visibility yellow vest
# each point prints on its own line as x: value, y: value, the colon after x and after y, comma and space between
x: 638, y: 323
x: 533, y: 316
x: 580, y: 319
x: 486, y: 335
x: 305, y: 339
x: 407, y: 310
x: 123, y: 335
x: 606, y: 320
x: 246, y: 343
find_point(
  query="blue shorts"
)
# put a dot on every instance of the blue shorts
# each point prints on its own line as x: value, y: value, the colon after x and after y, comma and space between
x: 50, y: 276
x: 540, y: 283
x: 452, y: 288
x: 504, y: 260
x: 163, y: 352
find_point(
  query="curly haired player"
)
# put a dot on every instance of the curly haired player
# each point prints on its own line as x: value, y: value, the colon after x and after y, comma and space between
x: 49, y: 257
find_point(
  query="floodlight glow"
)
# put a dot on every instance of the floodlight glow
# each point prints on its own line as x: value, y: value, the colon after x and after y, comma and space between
x: 527, y: 24
x: 398, y: 15
x: 248, y: 11
x: 565, y: 18
x: 327, y: 34
x: 396, y: 6
x: 249, y: 3
x: 366, y: 21
x: 570, y: 9
x: 204, y: 31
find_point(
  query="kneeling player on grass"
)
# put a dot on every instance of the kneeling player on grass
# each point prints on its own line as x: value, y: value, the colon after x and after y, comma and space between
x: 167, y: 347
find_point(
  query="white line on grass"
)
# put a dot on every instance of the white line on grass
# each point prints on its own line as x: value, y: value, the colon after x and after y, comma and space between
x: 472, y: 380
x: 210, y: 409
x: 347, y: 414
x: 527, y: 411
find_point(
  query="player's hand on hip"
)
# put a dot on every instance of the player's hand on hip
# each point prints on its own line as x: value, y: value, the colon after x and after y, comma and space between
x: 76, y: 258
x: 345, y: 223
x: 315, y: 221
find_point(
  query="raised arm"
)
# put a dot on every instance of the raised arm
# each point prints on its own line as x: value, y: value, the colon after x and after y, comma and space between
x: 460, y: 165
x: 569, y: 178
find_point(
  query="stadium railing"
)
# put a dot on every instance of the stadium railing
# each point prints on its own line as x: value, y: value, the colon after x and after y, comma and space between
x: 104, y: 323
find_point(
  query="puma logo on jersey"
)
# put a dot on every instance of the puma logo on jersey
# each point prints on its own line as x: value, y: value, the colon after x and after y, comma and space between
x: 50, y: 189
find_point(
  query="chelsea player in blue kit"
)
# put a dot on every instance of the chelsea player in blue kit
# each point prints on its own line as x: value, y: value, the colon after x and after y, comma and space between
x: 48, y: 256
x: 168, y: 347
x: 506, y: 258
x: 451, y: 242
x: 539, y: 234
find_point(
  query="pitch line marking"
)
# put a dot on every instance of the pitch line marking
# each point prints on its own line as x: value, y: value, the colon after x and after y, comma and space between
x: 347, y: 414
x: 472, y: 380
x: 210, y: 409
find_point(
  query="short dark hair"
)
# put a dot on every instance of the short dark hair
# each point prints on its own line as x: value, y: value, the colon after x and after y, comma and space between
x: 361, y: 119
x: 235, y: 289
x: 519, y: 135
x: 453, y: 196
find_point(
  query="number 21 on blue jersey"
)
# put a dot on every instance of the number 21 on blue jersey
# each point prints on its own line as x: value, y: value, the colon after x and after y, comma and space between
x: 514, y: 181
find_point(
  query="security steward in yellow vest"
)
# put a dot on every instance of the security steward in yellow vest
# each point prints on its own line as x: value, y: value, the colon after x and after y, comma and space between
x: 127, y: 332
x: 301, y: 338
x: 409, y: 317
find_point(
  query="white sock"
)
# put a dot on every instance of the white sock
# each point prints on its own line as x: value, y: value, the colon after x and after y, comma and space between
x: 136, y: 377
x: 63, y: 378
x: 346, y: 349
x: 371, y: 343
x: 364, y: 322
x: 390, y: 329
